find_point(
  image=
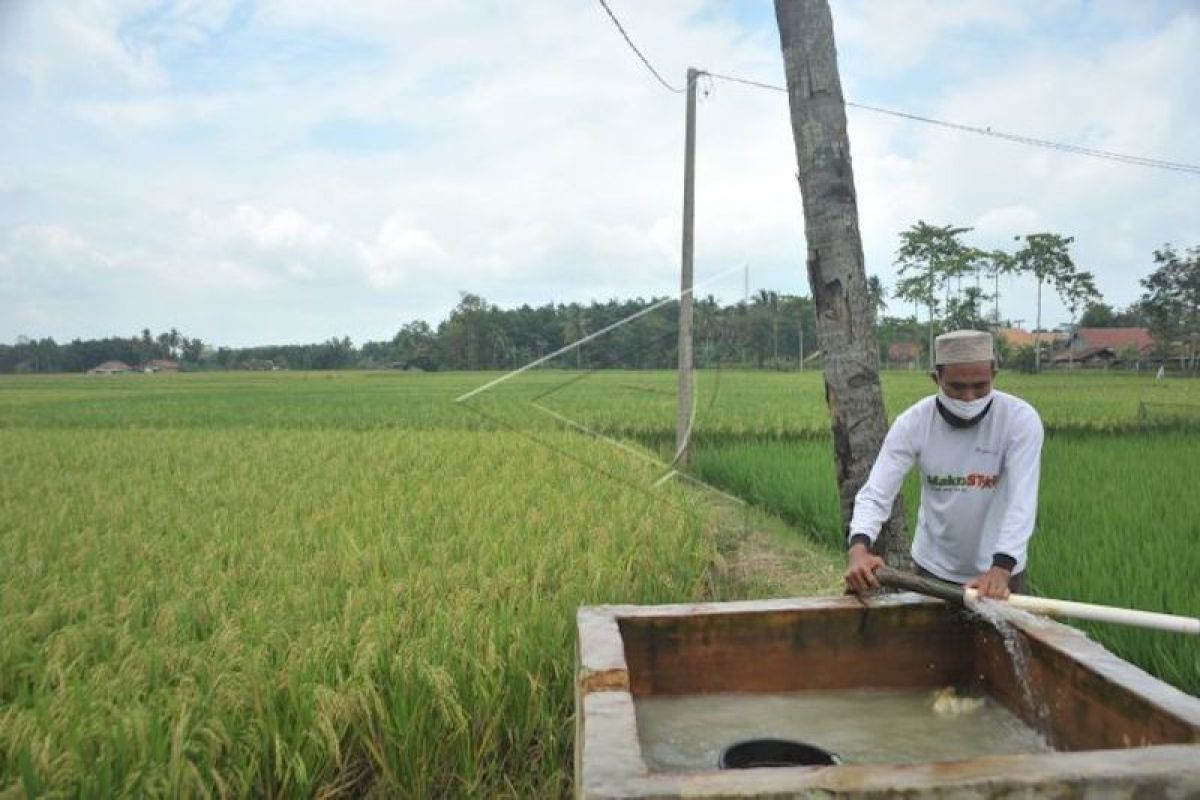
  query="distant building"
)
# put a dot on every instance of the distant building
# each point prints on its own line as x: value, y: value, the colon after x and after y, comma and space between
x: 160, y: 365
x: 1090, y: 357
x: 903, y: 354
x: 1115, y: 339
x: 110, y: 368
x: 1105, y: 347
x: 1016, y: 338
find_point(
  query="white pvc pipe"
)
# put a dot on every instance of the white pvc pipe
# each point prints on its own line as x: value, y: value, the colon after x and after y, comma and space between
x: 1095, y: 613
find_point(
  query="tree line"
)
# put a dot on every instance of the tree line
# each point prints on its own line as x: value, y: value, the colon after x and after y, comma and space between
x: 769, y: 330
x: 939, y: 273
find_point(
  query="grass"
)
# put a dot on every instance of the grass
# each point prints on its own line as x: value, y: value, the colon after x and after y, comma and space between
x: 730, y: 404
x: 234, y: 612
x: 345, y: 583
x: 1117, y: 523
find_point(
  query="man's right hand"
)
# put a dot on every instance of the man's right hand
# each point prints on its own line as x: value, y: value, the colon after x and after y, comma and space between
x: 860, y: 570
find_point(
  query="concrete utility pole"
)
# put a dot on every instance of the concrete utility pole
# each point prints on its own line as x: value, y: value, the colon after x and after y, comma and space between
x: 802, y: 339
x: 836, y: 274
x: 683, y: 412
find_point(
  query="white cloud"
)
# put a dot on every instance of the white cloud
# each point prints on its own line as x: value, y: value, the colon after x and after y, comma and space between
x: 53, y: 241
x: 531, y: 157
x: 224, y: 275
x: 50, y: 258
x: 301, y: 271
x: 286, y: 228
x: 57, y: 45
x: 898, y: 34
x: 997, y: 224
x: 400, y: 251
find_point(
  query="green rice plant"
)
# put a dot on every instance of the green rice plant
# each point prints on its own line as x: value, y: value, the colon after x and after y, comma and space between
x: 730, y: 404
x: 1118, y: 524
x: 232, y: 612
x: 795, y: 480
x: 323, y: 583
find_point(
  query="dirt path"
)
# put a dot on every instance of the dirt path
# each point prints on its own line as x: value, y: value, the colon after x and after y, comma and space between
x: 764, y: 557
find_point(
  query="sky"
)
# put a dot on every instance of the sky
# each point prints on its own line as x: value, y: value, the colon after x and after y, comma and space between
x: 275, y: 171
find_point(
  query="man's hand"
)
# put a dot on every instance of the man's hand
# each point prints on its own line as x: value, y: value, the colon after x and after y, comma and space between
x: 860, y: 570
x: 992, y: 584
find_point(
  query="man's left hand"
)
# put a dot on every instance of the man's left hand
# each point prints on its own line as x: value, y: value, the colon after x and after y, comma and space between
x: 992, y: 584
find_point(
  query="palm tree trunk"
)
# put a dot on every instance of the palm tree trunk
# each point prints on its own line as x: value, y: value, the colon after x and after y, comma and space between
x: 836, y: 273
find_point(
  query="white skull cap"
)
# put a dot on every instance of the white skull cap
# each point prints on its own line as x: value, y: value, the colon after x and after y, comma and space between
x: 962, y: 347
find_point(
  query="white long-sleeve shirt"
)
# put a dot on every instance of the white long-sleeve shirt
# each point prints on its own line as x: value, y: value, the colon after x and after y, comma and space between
x: 979, y: 486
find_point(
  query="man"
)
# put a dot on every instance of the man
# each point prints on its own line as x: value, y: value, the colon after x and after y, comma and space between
x: 978, y: 452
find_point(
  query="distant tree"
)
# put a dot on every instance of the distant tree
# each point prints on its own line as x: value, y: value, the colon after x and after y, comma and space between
x: 707, y: 329
x: 1078, y: 291
x: 1047, y: 257
x: 333, y: 353
x: 1025, y: 359
x: 764, y: 326
x: 800, y: 324
x: 1098, y: 315
x: 966, y: 310
x: 897, y: 330
x: 878, y: 296
x: 1172, y: 299
x: 414, y: 345
x: 574, y: 327
x: 929, y: 257
x: 502, y: 349
x: 994, y: 263
x: 191, y: 350
x: 1133, y: 316
x: 1004, y: 351
x: 462, y: 337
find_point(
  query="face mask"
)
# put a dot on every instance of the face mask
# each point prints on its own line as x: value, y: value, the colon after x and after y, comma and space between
x: 964, y: 409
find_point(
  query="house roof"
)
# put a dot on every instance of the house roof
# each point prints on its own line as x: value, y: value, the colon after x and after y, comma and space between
x: 1017, y: 337
x: 904, y: 350
x: 1116, y: 338
x: 109, y: 366
x: 164, y: 363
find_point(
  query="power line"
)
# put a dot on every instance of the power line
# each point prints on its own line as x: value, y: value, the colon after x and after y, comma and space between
x: 633, y: 47
x: 1122, y: 158
x: 1062, y: 147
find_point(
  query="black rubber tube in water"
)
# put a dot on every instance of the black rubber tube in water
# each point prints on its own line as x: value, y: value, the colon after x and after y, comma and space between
x: 775, y: 753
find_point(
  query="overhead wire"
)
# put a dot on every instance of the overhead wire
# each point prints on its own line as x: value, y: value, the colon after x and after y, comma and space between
x: 1109, y: 155
x: 1123, y: 158
x: 635, y: 49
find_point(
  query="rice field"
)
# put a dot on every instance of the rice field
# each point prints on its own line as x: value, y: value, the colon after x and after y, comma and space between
x: 621, y: 403
x: 261, y: 599
x: 1118, y: 521
x: 308, y: 584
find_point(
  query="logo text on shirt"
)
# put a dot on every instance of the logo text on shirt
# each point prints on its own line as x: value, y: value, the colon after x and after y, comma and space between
x: 973, y: 480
